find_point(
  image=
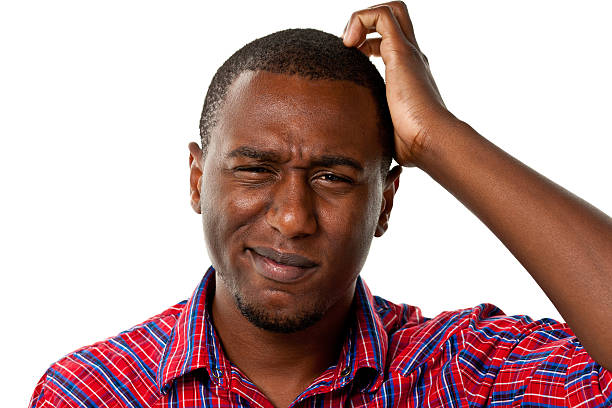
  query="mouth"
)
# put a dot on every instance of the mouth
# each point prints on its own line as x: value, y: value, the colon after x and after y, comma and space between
x: 281, y: 267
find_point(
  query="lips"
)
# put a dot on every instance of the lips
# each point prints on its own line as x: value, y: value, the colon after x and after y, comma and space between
x: 282, y: 267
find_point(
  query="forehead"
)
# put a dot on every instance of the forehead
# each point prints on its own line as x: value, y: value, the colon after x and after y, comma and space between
x: 266, y: 110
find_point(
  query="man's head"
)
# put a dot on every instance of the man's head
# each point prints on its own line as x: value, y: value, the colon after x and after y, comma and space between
x: 295, y: 137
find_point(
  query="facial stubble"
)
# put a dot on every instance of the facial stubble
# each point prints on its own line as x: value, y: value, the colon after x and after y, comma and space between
x: 270, y: 318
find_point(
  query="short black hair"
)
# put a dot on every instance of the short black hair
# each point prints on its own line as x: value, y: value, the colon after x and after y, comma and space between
x: 309, y: 53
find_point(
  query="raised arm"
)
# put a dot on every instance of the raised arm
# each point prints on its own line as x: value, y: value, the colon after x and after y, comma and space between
x: 564, y: 242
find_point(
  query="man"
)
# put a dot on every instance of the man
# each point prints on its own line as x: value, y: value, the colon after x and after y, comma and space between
x: 292, y: 182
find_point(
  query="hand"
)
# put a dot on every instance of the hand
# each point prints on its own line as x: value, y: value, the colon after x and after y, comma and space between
x: 413, y: 97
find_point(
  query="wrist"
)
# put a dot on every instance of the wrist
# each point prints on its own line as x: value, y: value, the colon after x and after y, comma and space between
x: 432, y: 143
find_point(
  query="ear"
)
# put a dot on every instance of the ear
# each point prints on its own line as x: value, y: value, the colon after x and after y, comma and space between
x: 390, y: 188
x: 195, y: 175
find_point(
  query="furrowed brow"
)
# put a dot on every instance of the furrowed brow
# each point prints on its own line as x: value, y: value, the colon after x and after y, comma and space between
x: 331, y: 161
x: 271, y: 156
x: 252, y: 153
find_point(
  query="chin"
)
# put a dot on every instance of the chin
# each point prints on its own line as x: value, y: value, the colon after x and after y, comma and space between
x: 276, y: 314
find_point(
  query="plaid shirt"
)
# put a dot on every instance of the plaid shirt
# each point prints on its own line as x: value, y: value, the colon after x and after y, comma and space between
x: 392, y: 357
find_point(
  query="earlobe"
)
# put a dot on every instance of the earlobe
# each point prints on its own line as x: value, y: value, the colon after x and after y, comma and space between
x: 195, y: 200
x: 390, y: 188
x: 195, y: 175
x: 383, y: 224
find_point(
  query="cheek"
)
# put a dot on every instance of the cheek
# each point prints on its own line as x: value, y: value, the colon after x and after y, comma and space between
x: 351, y: 227
x: 361, y: 216
x: 227, y: 211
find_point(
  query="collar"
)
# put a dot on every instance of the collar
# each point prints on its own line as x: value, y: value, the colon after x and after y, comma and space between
x: 194, y: 345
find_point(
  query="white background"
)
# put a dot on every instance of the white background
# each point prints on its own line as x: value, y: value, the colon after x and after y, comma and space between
x: 98, y: 101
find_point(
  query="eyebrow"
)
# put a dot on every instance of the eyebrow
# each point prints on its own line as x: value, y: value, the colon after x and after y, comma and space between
x: 251, y: 153
x: 326, y: 160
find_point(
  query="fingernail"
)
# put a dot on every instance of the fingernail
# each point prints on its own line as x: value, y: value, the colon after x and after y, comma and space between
x: 344, y: 31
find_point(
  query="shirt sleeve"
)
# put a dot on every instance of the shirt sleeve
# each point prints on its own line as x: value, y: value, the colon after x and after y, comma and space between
x: 516, y: 361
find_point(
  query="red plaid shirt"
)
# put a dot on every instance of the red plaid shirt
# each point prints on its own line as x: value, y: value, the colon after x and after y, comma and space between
x: 392, y: 357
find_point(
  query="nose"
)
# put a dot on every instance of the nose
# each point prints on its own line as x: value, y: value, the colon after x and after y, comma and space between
x: 292, y: 207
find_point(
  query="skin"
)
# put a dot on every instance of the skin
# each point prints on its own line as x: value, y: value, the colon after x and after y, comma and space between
x: 292, y: 203
x: 562, y: 241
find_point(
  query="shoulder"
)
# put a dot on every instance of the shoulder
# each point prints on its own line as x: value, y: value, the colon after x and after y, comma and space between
x: 483, y: 330
x: 396, y: 316
x: 499, y: 358
x: 122, y: 368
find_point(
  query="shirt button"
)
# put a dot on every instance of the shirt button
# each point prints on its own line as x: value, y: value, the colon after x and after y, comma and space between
x: 217, y: 373
x: 345, y: 371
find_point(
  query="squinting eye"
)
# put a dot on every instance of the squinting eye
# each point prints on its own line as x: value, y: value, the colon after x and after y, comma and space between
x: 334, y: 178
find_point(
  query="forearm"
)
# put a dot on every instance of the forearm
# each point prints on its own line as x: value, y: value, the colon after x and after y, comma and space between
x: 564, y: 242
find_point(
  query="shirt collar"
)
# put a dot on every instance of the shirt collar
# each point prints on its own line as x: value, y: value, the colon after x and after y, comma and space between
x: 193, y: 343
x: 364, y: 353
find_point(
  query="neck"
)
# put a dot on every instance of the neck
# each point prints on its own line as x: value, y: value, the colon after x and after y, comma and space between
x: 267, y: 358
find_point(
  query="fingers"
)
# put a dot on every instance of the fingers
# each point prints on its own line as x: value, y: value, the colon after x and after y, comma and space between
x: 400, y: 11
x: 371, y: 47
x: 363, y: 22
x: 390, y: 20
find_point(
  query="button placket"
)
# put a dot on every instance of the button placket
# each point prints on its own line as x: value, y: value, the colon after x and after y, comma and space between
x: 217, y: 375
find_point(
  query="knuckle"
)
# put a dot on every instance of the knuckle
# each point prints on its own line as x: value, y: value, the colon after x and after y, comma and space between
x: 386, y: 10
x: 400, y: 8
